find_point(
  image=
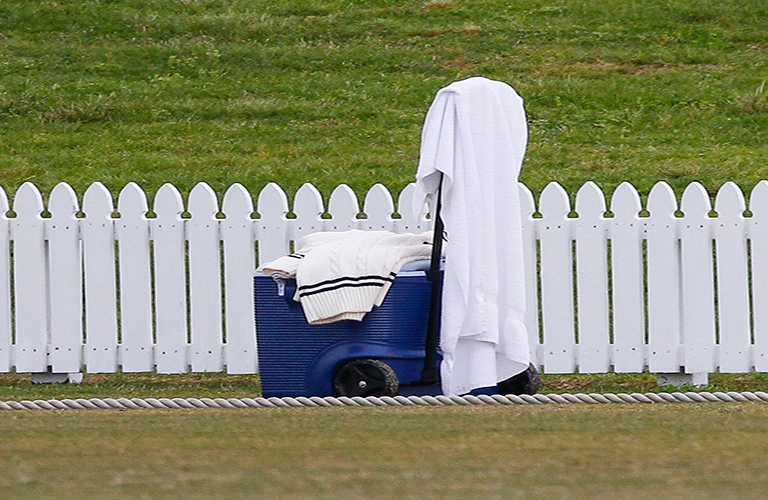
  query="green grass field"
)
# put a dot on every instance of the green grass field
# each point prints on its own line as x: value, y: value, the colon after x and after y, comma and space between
x: 331, y: 92
x: 687, y: 451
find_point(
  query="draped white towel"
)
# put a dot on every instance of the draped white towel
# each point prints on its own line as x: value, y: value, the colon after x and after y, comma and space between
x: 475, y: 134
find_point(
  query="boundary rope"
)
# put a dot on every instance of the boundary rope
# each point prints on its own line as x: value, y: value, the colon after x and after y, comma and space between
x: 289, y: 402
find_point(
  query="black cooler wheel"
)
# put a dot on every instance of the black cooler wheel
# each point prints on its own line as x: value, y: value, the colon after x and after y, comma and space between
x: 527, y: 382
x: 365, y: 377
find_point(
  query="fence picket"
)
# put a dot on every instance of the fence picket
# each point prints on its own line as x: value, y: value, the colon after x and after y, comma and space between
x: 557, y: 280
x: 697, y: 281
x: 132, y: 233
x: 65, y: 281
x: 204, y: 281
x: 170, y: 281
x: 378, y: 208
x: 99, y: 280
x: 273, y: 235
x: 730, y: 232
x: 409, y: 221
x: 699, y: 274
x: 29, y: 269
x: 627, y: 280
x: 663, y: 281
x: 592, y: 280
x: 343, y: 208
x: 6, y: 319
x: 237, y: 232
x: 308, y: 209
x: 527, y: 210
x: 758, y: 205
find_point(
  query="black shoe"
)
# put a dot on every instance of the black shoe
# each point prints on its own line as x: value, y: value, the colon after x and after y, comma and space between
x: 527, y: 382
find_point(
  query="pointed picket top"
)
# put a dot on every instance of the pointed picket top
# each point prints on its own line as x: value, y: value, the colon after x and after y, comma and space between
x: 62, y: 204
x: 379, y: 207
x: 758, y: 200
x: 97, y: 202
x: 405, y: 200
x: 625, y: 203
x: 590, y: 202
x: 729, y: 202
x: 378, y: 200
x: 343, y: 208
x: 203, y: 202
x: 28, y: 202
x: 695, y: 203
x: 410, y: 221
x: 343, y: 200
x: 272, y: 203
x: 168, y: 203
x: 662, y: 202
x: 308, y: 208
x: 554, y: 203
x: 132, y: 203
x: 527, y: 202
x: 590, y: 197
x: 237, y: 202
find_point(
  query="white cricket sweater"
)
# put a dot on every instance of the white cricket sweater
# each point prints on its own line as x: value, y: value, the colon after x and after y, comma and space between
x: 344, y: 275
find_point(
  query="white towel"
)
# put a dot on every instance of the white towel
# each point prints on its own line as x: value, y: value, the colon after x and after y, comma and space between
x: 475, y: 134
x: 344, y: 275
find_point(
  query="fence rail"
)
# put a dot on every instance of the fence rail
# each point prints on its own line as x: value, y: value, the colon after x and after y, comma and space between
x: 103, y: 287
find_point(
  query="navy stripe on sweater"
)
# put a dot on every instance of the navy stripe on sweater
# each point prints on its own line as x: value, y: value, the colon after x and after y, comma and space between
x: 345, y: 282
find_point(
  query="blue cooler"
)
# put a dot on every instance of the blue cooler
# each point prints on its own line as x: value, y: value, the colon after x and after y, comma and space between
x: 299, y: 359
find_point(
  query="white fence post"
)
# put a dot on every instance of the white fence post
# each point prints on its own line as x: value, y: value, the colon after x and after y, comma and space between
x: 170, y: 282
x: 557, y: 280
x: 30, y: 280
x: 237, y: 232
x: 697, y: 281
x: 664, y: 324
x: 132, y: 233
x: 65, y: 281
x: 592, y: 280
x: 627, y: 264
x: 204, y: 281
x: 730, y: 234
x: 99, y: 280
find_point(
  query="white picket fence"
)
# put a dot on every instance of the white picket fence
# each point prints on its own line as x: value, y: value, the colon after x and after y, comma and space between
x: 104, y: 287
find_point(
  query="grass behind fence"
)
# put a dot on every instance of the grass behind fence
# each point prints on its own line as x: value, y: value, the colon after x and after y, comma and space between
x: 331, y: 92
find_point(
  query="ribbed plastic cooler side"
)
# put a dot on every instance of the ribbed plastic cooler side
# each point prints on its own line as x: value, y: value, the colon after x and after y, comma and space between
x: 298, y: 359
